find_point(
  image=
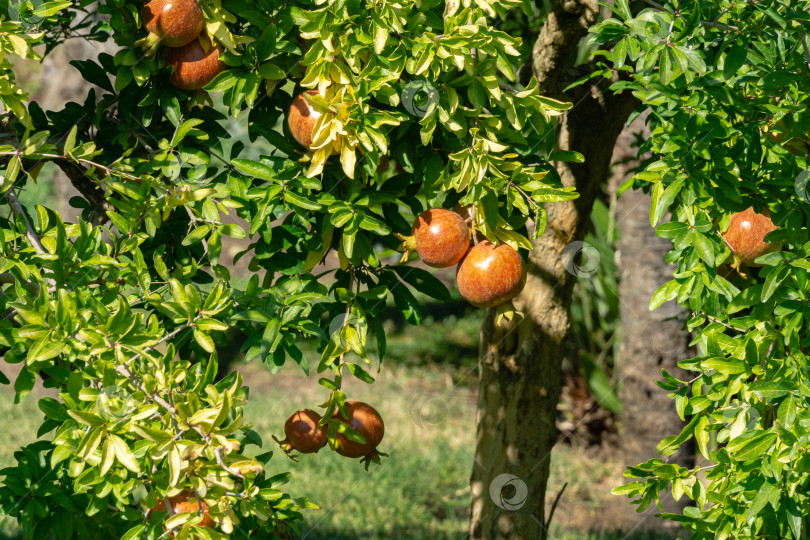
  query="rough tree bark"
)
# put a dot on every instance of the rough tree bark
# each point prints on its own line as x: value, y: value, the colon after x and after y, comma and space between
x: 651, y: 341
x: 520, y: 366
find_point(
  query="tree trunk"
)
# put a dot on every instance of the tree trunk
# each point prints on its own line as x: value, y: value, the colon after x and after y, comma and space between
x: 520, y: 366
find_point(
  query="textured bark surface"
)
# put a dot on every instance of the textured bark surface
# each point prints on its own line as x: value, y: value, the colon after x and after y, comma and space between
x: 651, y: 341
x: 520, y: 366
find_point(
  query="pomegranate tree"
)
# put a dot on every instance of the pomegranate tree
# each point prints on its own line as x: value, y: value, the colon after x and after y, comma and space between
x: 126, y: 302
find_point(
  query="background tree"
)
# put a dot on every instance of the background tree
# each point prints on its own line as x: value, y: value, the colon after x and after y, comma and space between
x: 725, y: 85
x: 520, y: 375
x: 724, y: 82
x: 123, y: 311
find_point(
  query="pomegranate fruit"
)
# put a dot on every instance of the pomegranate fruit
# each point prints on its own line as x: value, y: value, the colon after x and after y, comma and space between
x: 174, y: 22
x: 366, y: 421
x: 745, y: 234
x: 193, y: 67
x: 301, y: 119
x: 186, y: 501
x: 490, y: 275
x: 440, y: 237
x: 303, y: 432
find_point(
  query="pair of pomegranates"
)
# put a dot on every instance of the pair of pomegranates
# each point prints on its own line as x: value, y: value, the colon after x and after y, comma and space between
x: 178, y: 25
x: 487, y: 275
x: 305, y: 435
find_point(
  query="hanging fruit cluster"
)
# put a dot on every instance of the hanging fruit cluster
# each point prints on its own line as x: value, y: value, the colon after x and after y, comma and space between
x: 178, y: 25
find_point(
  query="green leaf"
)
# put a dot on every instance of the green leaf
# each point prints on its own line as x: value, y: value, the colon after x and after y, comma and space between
x: 663, y: 198
x: 702, y: 435
x: 772, y: 282
x: 407, y: 303
x: 360, y: 373
x: 50, y: 8
x: 704, y: 247
x: 124, y: 454
x: 86, y: 418
x: 299, y: 201
x: 666, y: 292
x: 770, y: 390
x: 183, y: 130
x: 196, y: 235
x: 753, y: 448
x: 726, y: 366
x: 204, y: 341
x: 423, y: 281
x: 734, y: 59
x: 254, y: 169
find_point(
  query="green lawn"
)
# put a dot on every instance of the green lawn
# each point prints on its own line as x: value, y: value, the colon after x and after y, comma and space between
x: 421, y: 490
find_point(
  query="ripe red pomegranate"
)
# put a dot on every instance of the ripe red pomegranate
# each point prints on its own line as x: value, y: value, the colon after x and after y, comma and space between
x: 440, y: 237
x: 174, y: 22
x: 193, y: 67
x: 366, y: 421
x: 186, y: 501
x: 490, y: 275
x: 303, y: 432
x: 301, y: 119
x: 745, y: 234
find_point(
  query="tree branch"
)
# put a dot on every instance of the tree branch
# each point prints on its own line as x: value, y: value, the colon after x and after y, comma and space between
x: 565, y: 26
x: 7, y: 278
x: 81, y: 181
x: 17, y: 208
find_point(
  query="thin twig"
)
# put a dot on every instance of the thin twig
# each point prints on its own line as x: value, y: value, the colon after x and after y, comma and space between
x: 17, y: 208
x: 713, y: 319
x: 218, y: 454
x: 7, y: 278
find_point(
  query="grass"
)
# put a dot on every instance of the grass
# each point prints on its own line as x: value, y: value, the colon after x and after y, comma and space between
x: 422, y: 488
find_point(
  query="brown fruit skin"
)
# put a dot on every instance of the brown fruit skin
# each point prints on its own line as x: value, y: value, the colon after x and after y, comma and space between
x: 301, y: 119
x: 745, y: 233
x: 303, y: 432
x: 441, y: 237
x: 490, y: 275
x: 186, y: 501
x: 176, y: 22
x: 193, y: 67
x: 365, y: 420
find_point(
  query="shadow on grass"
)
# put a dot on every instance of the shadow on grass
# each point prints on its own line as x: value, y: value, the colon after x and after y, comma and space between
x: 414, y: 533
